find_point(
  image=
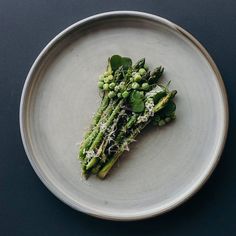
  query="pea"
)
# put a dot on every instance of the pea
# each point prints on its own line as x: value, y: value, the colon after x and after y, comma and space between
x: 145, y: 86
x: 106, y: 73
x: 167, y: 119
x: 122, y: 86
x: 111, y: 94
x: 135, y: 85
x: 141, y: 93
x: 117, y: 88
x: 110, y: 77
x: 161, y: 123
x: 106, y: 87
x: 106, y: 80
x: 173, y: 116
x: 100, y: 84
x: 142, y: 71
x: 101, y: 77
x: 137, y: 77
x: 112, y: 85
x: 125, y: 94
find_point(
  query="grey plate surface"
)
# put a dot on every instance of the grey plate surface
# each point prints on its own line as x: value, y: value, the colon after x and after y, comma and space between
x: 165, y: 166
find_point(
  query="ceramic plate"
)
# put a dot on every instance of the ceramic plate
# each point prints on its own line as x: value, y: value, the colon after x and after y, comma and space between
x: 165, y: 166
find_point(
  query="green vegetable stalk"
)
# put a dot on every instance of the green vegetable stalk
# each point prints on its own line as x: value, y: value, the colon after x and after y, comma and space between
x: 98, y: 115
x: 126, y: 141
x: 89, y: 137
x: 100, y: 135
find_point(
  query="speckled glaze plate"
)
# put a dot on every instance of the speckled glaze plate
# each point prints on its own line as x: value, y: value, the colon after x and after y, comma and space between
x: 165, y: 166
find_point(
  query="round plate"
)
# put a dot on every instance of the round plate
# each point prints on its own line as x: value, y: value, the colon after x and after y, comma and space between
x: 165, y: 166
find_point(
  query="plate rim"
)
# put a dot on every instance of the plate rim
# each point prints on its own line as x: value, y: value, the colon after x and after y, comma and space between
x: 148, y: 213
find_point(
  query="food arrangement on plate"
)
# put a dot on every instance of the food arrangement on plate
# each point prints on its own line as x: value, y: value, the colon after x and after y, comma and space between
x: 132, y: 97
x: 167, y: 165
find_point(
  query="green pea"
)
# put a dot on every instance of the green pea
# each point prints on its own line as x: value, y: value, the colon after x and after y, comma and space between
x: 131, y: 79
x: 110, y: 77
x: 125, y: 94
x: 141, y: 93
x: 106, y: 80
x: 100, y: 84
x: 119, y: 95
x: 167, y: 119
x: 112, y: 85
x: 117, y: 88
x: 101, y: 77
x: 145, y: 86
x: 142, y: 71
x: 122, y: 86
x: 161, y: 123
x: 135, y: 85
x: 111, y: 94
x: 173, y: 116
x: 106, y: 87
x: 137, y: 77
x: 106, y: 73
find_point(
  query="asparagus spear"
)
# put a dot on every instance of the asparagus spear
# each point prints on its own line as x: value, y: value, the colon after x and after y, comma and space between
x: 127, y: 126
x: 155, y: 75
x: 97, y: 115
x: 139, y: 64
x: 100, y: 135
x: 160, y: 105
x: 88, y: 140
x: 163, y: 102
x: 104, y: 171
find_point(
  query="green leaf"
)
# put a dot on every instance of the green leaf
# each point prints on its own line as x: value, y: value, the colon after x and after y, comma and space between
x: 117, y: 61
x: 156, y: 119
x: 126, y: 63
x: 168, y: 110
x: 136, y: 101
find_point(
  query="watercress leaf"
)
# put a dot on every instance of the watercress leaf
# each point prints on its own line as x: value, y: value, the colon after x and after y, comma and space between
x: 169, y: 109
x: 136, y: 102
x: 115, y: 62
x: 156, y: 119
x: 126, y: 62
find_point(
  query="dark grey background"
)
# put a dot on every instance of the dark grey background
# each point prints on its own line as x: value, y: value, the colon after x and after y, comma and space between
x: 26, y: 206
